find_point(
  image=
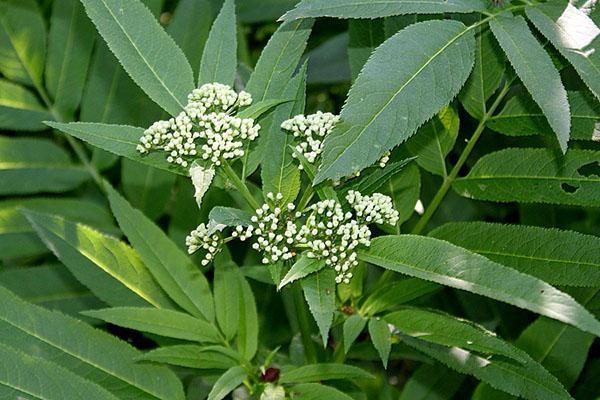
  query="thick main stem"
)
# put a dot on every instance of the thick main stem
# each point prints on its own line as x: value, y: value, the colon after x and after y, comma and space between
x: 448, y: 180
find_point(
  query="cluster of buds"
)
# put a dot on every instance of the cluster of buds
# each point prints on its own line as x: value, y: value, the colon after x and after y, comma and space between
x: 202, y: 238
x: 322, y: 231
x: 205, y: 129
x: 310, y: 132
x: 374, y: 209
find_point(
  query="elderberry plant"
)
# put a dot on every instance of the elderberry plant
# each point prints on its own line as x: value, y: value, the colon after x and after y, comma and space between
x: 228, y: 199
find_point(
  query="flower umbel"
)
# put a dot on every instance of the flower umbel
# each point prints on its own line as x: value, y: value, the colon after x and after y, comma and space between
x: 206, y: 129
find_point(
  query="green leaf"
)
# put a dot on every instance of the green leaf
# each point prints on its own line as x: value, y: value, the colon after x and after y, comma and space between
x: 395, y: 293
x: 219, y: 59
x: 19, y: 108
x: 535, y: 69
x: 220, y: 217
x: 18, y: 238
x: 279, y: 172
x: 70, y: 44
x: 149, y: 189
x: 431, y: 382
x: 247, y: 338
x: 434, y: 140
x: 405, y: 190
x: 145, y: 50
x: 22, y: 41
x: 227, y: 382
x: 486, y: 76
x: 257, y: 109
x: 227, y: 287
x: 319, y: 292
x: 534, y: 176
x: 51, y: 286
x: 303, y: 267
x: 190, y: 28
x: 328, y: 62
x: 353, y: 326
x: 530, y: 381
x: 171, y: 268
x: 449, y: 331
x: 86, y: 351
x: 575, y: 36
x: 51, y: 381
x: 364, y: 36
x: 117, y: 139
x: 278, y: 60
x: 110, y: 268
x: 521, y: 116
x: 450, y: 265
x: 316, y: 391
x: 387, y: 8
x: 324, y: 190
x: 558, y: 257
x: 368, y: 184
x: 323, y: 372
x: 393, y: 96
x: 35, y: 166
x: 168, y: 323
x: 192, y: 356
x: 381, y: 338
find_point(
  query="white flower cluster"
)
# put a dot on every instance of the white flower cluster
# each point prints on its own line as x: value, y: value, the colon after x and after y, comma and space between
x: 205, y: 129
x: 201, y: 238
x: 377, y: 208
x: 324, y: 230
x: 310, y: 130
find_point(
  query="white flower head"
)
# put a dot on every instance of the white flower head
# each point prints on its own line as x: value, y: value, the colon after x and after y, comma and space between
x: 202, y: 238
x: 375, y: 209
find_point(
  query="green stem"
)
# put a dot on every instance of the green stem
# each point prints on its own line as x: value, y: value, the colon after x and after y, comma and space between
x: 443, y: 190
x: 239, y: 185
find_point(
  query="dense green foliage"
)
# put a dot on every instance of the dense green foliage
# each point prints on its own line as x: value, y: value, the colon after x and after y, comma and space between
x: 334, y: 199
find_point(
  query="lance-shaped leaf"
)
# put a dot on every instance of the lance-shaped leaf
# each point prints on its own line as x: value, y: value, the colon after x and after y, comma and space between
x: 190, y: 28
x: 370, y: 183
x: 70, y: 44
x: 353, y: 326
x: 558, y: 257
x: 227, y: 287
x: 171, y: 268
x: 485, y: 78
x: 521, y: 116
x: 449, y: 331
x: 396, y: 293
x: 110, y: 268
x: 247, y: 337
x: 364, y: 37
x: 36, y: 165
x: 20, y: 110
x: 534, y: 176
x: 22, y: 41
x: 381, y: 337
x: 530, y: 381
x: 117, y: 139
x: 322, y: 372
x: 52, y: 382
x: 386, y: 8
x: 193, y: 356
x: 168, y: 323
x: 219, y: 59
x: 148, y: 54
x: 86, y: 351
x: 319, y: 292
x: 279, y: 172
x: 441, y: 262
x: 394, y: 95
x: 434, y: 140
x: 301, y: 268
x: 316, y: 391
x: 574, y: 34
x: 227, y: 382
x: 535, y: 69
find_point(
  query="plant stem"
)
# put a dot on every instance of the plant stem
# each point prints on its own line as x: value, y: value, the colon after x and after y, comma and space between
x: 441, y: 193
x: 239, y: 185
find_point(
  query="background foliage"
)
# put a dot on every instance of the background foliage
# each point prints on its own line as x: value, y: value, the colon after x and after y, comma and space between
x: 487, y: 288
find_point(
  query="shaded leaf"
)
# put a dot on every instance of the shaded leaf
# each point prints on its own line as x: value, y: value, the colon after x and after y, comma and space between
x: 322, y: 372
x: 396, y: 293
x: 353, y: 326
x: 381, y: 337
x: 303, y: 267
x: 19, y: 108
x: 431, y: 382
x: 364, y: 37
x: 247, y: 338
x: 319, y: 292
x: 230, y: 380
x: 192, y: 356
x: 316, y: 391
